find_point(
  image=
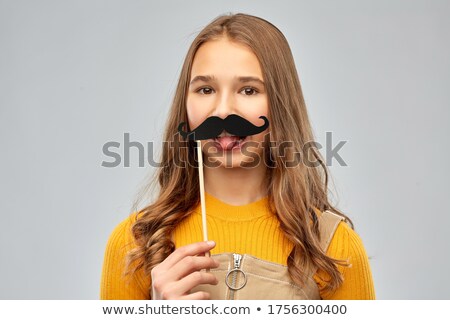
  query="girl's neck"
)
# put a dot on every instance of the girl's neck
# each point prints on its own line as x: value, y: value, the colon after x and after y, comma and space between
x: 236, y: 186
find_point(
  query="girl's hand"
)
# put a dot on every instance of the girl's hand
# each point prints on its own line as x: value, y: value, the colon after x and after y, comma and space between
x: 180, y: 272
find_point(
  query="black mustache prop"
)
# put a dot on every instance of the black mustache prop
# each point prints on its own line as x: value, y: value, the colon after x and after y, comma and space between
x: 213, y: 127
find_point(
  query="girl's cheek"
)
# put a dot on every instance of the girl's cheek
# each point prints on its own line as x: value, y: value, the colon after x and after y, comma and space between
x: 254, y: 115
x: 197, y: 112
x: 194, y: 117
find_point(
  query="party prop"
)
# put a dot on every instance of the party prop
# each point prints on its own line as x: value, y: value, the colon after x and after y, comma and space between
x: 211, y: 128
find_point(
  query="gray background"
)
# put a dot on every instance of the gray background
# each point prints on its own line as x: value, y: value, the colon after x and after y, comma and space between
x: 77, y: 74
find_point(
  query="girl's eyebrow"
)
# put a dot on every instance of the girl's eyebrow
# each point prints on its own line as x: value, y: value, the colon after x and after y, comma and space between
x: 251, y: 79
x: 201, y: 78
x: 212, y: 78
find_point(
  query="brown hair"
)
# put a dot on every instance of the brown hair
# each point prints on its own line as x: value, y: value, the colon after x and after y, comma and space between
x: 293, y: 192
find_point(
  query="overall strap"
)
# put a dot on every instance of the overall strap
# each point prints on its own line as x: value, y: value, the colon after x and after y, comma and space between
x: 328, y: 222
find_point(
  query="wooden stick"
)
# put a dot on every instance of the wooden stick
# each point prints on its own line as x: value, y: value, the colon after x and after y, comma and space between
x: 202, y: 192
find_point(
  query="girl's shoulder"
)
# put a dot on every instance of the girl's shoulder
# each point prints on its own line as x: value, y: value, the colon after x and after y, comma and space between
x: 114, y: 285
x: 121, y: 237
x: 338, y: 237
x: 345, y: 242
x: 346, y: 245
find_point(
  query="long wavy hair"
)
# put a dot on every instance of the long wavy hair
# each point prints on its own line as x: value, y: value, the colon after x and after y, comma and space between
x: 294, y: 192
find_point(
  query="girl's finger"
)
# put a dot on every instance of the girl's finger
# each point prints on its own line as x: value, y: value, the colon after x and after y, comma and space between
x: 190, y: 264
x: 194, y: 279
x: 192, y: 249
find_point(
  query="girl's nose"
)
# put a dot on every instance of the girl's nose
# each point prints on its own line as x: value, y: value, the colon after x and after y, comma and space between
x: 225, y: 105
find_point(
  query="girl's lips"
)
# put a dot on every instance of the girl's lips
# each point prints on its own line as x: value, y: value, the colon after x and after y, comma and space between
x: 229, y: 143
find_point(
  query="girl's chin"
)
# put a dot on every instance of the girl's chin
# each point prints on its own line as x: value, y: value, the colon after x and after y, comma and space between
x: 232, y: 159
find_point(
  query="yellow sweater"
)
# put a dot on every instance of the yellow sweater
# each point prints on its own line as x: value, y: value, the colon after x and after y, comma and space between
x: 250, y: 229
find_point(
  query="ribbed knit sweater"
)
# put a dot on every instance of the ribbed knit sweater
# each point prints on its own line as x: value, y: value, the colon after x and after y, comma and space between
x: 251, y: 229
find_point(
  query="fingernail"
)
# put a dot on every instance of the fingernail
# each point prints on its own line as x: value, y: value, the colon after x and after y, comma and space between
x: 211, y: 243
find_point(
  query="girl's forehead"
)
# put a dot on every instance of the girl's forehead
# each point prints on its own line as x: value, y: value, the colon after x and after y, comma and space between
x: 225, y: 58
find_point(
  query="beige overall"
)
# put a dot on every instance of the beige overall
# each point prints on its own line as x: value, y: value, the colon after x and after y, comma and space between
x: 247, y: 277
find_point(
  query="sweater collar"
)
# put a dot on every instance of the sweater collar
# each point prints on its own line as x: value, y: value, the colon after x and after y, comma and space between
x: 221, y: 210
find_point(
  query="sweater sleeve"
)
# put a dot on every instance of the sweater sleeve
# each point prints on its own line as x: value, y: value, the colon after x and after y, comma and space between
x: 114, y: 285
x: 358, y: 283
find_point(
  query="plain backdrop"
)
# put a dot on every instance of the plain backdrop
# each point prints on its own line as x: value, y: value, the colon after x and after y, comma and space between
x: 77, y: 74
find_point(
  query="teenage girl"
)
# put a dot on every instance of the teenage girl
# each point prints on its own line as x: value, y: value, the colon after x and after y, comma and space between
x: 265, y: 202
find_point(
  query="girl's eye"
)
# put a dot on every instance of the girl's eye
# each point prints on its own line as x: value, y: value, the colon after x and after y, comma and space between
x: 205, y: 90
x: 248, y: 91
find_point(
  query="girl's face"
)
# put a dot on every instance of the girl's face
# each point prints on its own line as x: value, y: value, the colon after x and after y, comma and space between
x: 226, y: 78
